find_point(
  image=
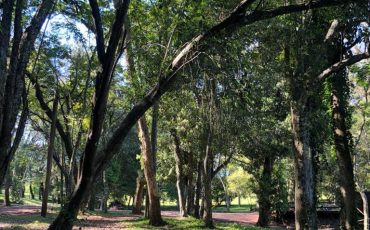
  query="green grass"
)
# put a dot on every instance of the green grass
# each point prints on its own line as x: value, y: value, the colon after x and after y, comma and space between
x: 184, y: 223
x: 28, y: 201
x: 31, y: 221
x: 235, y: 208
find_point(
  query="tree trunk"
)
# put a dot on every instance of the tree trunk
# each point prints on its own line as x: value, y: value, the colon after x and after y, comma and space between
x: 12, y: 75
x: 180, y: 175
x: 155, y: 218
x: 31, y: 192
x: 207, y: 183
x: 239, y: 203
x: 138, y: 200
x: 146, y: 211
x: 49, y: 162
x: 342, y: 148
x: 41, y: 190
x: 305, y: 196
x: 23, y: 191
x: 365, y: 205
x: 105, y: 196
x: 61, y: 193
x: 91, y: 202
x: 190, y: 186
x: 7, y: 184
x: 305, y: 192
x: 198, y: 191
x: 264, y: 193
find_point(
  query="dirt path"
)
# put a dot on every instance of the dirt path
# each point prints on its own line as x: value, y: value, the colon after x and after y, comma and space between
x: 28, y: 217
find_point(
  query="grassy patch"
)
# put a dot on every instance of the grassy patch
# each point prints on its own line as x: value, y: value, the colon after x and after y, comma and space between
x: 184, y: 223
x: 235, y: 208
x: 31, y: 221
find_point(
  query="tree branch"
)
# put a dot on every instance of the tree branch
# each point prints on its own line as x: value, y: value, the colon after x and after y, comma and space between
x: 44, y: 106
x: 342, y: 64
x: 238, y: 18
x: 98, y: 29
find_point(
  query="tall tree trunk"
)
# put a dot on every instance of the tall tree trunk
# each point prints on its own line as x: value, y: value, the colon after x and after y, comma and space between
x: 138, y: 200
x: 155, y: 218
x: 198, y: 191
x: 41, y: 190
x: 305, y: 196
x: 7, y: 184
x: 239, y: 202
x: 61, y: 192
x: 12, y: 76
x: 180, y: 174
x: 207, y: 183
x: 305, y: 192
x: 190, y: 186
x: 31, y: 192
x: 264, y: 194
x: 91, y: 202
x: 105, y: 195
x: 342, y: 148
x: 49, y: 162
x: 146, y: 211
x: 365, y: 205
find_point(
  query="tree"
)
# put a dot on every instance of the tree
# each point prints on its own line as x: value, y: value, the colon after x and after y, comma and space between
x: 12, y: 80
x: 45, y: 196
x: 93, y: 160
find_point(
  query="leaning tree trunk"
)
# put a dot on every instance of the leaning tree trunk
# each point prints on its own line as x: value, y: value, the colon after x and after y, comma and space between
x: 49, y: 162
x: 13, y: 67
x: 155, y: 218
x: 264, y: 194
x: 139, y: 192
x: 342, y: 148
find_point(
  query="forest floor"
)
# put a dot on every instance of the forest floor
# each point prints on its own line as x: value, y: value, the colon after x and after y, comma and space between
x: 28, y: 217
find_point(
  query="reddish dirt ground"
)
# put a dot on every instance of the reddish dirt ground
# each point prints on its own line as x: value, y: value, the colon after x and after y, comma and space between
x: 25, y: 215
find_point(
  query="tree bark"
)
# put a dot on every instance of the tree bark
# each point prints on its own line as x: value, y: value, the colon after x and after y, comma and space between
x: 305, y: 195
x: 343, y: 149
x: 207, y: 183
x: 49, y: 162
x: 264, y: 194
x: 365, y: 205
x: 91, y: 202
x: 180, y: 174
x: 31, y: 192
x: 198, y: 191
x: 190, y: 188
x: 155, y: 218
x: 305, y: 192
x: 105, y: 196
x: 12, y: 78
x: 139, y: 193
x: 7, y: 184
